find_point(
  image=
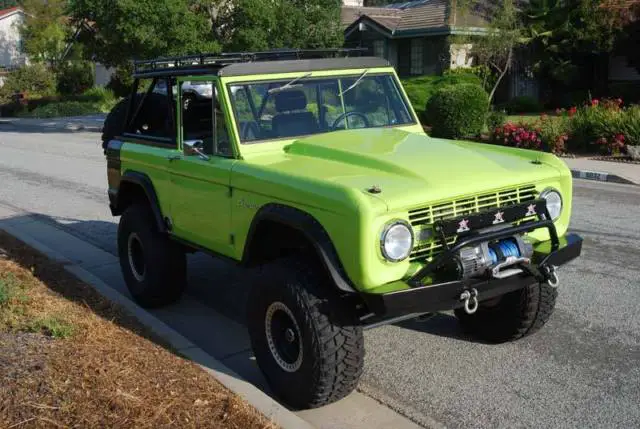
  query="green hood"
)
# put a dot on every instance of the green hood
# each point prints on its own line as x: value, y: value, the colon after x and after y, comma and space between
x: 412, y: 168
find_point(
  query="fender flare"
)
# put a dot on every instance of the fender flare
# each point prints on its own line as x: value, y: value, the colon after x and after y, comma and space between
x: 312, y: 230
x: 142, y: 181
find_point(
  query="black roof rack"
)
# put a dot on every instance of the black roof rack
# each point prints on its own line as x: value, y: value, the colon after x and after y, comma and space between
x: 207, y: 63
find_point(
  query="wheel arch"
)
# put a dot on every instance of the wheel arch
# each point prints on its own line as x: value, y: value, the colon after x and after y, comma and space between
x: 295, y: 224
x: 133, y: 187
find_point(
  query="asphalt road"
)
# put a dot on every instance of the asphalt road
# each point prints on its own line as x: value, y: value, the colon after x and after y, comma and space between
x: 582, y: 370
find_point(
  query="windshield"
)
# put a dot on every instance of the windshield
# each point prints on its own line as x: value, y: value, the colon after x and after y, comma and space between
x: 289, y: 108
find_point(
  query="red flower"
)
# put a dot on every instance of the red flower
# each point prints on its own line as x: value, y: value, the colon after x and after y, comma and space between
x: 620, y: 138
x: 573, y: 111
x: 595, y: 102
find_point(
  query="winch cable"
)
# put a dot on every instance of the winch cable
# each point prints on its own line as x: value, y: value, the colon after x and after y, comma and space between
x: 501, y: 250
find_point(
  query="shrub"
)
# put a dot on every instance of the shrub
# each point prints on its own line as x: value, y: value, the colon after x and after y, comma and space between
x: 103, y: 96
x: 420, y: 89
x: 496, y: 118
x: 75, y: 78
x: 598, y: 125
x: 121, y: 81
x: 523, y: 104
x: 549, y: 134
x: 484, y: 73
x: 65, y: 109
x: 34, y: 81
x: 457, y: 111
x: 554, y: 132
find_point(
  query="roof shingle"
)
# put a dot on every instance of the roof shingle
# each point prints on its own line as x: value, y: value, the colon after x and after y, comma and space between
x: 412, y: 16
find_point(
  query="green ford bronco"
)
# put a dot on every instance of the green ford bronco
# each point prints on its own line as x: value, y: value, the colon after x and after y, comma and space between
x: 313, y: 166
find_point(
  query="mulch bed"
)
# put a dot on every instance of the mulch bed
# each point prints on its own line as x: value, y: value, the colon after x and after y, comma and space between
x: 109, y: 373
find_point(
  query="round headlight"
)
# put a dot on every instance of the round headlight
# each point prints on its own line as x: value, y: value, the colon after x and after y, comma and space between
x: 554, y: 202
x: 397, y: 241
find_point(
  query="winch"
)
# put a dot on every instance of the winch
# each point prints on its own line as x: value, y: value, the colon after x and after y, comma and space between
x: 499, y: 259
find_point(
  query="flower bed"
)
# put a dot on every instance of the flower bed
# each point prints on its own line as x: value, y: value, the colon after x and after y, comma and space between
x: 600, y: 126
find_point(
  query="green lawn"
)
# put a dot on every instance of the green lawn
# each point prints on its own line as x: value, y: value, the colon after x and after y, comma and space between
x: 527, y: 119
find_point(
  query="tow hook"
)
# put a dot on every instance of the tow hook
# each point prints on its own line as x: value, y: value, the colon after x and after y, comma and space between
x: 470, y: 299
x: 551, y: 276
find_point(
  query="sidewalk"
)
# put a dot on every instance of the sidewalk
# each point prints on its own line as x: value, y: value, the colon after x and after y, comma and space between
x: 604, y: 171
x: 215, y: 341
x: 90, y: 123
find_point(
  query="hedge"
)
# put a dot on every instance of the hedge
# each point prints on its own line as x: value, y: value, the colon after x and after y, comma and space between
x: 457, y: 111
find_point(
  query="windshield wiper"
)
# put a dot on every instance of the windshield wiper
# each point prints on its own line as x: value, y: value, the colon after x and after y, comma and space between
x: 290, y: 84
x: 364, y: 73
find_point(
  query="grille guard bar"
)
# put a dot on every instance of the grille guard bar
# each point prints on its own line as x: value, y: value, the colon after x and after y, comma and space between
x: 509, y: 214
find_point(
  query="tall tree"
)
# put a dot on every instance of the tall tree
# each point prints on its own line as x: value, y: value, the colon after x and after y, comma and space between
x: 126, y: 29
x: 570, y: 36
x: 45, y: 29
x: 497, y: 48
x: 259, y: 25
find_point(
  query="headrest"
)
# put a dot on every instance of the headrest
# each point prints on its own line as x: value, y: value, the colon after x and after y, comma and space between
x: 290, y: 100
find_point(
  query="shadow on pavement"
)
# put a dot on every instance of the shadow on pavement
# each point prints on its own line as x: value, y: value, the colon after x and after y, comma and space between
x: 442, y: 325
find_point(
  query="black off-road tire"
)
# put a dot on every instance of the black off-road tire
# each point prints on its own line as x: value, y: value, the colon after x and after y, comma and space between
x: 153, y: 116
x: 331, y: 341
x: 154, y: 267
x: 515, y: 315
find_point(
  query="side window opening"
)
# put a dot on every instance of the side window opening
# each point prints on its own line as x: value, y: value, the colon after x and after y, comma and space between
x: 203, y: 118
x: 152, y: 114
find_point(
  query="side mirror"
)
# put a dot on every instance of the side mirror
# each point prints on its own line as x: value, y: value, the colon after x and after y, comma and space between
x: 194, y: 148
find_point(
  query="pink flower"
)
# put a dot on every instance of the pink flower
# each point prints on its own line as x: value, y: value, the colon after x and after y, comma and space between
x: 595, y: 102
x: 620, y: 138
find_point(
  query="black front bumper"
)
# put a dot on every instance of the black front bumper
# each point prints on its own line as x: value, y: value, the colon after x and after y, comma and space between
x: 446, y: 296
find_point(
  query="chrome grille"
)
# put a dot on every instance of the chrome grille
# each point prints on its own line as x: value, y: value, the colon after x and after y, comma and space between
x: 424, y: 217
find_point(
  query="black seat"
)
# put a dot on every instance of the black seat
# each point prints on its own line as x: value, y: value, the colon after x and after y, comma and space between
x: 292, y: 118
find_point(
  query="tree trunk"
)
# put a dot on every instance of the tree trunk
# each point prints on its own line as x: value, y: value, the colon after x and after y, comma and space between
x: 504, y: 71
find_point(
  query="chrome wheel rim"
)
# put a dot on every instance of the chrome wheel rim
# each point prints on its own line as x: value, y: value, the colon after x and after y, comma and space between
x: 135, y: 252
x: 283, y: 337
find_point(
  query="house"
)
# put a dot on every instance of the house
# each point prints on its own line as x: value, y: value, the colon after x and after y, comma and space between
x: 11, y: 52
x: 413, y: 35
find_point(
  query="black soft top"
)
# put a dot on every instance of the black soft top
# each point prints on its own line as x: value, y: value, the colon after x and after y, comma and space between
x: 249, y: 63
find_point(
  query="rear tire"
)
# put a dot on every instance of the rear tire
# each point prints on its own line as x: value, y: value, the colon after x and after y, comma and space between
x: 154, y: 267
x: 306, y: 340
x: 516, y: 314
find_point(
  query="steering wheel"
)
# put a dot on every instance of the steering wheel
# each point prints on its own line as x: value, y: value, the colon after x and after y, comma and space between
x: 346, y: 115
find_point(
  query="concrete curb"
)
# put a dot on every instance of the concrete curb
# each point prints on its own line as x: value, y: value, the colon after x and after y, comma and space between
x: 601, y: 177
x: 228, y: 378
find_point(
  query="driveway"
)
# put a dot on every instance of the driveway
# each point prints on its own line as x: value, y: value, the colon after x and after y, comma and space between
x: 581, y: 370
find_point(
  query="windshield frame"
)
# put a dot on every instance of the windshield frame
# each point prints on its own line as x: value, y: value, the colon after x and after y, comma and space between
x: 342, y: 74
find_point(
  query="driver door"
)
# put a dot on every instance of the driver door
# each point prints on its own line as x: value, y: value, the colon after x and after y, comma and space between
x: 200, y: 175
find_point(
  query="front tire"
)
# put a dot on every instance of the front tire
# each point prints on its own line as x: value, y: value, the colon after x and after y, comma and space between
x: 306, y: 340
x: 154, y: 268
x: 515, y: 315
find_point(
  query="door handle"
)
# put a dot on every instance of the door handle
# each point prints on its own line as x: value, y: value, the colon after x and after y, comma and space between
x: 174, y: 157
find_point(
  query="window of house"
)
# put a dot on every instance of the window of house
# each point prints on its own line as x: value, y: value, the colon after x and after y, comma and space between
x: 417, y: 56
x: 378, y: 48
